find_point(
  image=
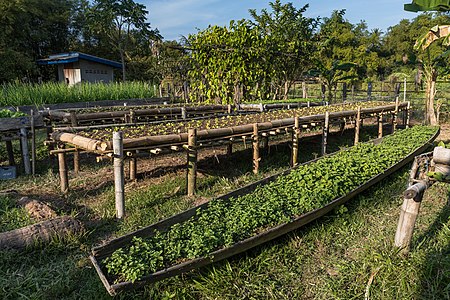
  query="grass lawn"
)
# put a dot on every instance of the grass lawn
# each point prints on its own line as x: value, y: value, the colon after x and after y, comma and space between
x: 347, y: 254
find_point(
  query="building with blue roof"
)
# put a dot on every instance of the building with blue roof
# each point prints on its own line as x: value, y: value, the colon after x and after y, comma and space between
x: 76, y: 67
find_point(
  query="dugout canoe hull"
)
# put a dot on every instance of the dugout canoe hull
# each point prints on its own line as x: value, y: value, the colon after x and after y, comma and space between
x: 99, y: 253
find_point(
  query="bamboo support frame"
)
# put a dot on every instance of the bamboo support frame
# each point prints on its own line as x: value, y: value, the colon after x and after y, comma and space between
x: 192, y: 161
x: 255, y: 143
x: 119, y: 181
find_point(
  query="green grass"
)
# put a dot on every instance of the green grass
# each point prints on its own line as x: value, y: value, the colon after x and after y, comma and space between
x: 332, y: 258
x: 15, y: 94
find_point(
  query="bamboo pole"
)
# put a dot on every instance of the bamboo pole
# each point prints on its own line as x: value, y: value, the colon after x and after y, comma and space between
x: 192, y: 161
x: 76, y: 154
x: 395, y: 116
x: 408, y: 112
x: 256, y: 157
x: 295, y: 142
x: 380, y: 125
x: 33, y: 144
x: 25, y: 153
x: 119, y: 181
x: 357, y: 124
x: 64, y: 179
x: 408, y: 215
x: 133, y: 167
x: 10, y: 151
x: 325, y: 131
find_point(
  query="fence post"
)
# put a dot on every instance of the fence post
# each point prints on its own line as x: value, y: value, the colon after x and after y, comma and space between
x: 192, y: 161
x: 357, y: 125
x: 325, y: 130
x: 25, y: 153
x: 256, y: 157
x: 119, y: 181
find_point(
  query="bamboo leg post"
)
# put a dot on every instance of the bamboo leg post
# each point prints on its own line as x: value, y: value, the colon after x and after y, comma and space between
x: 9, y: 150
x: 295, y: 141
x: 256, y: 157
x: 408, y: 215
x: 133, y: 167
x: 230, y: 148
x: 380, y: 125
x: 265, y: 144
x: 325, y: 131
x: 119, y: 181
x: 192, y: 161
x: 408, y: 114
x: 395, y: 116
x: 33, y: 144
x: 25, y: 153
x: 357, y: 125
x: 76, y: 162
x: 64, y: 179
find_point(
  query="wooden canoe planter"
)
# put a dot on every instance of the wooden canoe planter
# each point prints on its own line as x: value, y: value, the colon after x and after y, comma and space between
x: 107, y: 249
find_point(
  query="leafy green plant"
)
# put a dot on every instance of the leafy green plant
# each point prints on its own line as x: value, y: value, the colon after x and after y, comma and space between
x: 225, y: 222
x: 6, y: 113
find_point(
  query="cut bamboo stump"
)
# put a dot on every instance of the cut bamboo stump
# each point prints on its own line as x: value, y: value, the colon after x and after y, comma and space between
x: 63, y: 176
x: 39, y: 233
x: 119, y: 181
x: 325, y: 131
x: 295, y: 141
x: 192, y: 161
x: 357, y: 125
x: 256, y: 157
x: 408, y: 215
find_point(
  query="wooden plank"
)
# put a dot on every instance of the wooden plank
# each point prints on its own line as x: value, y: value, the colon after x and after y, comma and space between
x: 7, y: 124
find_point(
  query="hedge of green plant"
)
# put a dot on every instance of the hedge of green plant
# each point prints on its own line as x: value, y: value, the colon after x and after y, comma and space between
x: 223, y: 223
x: 16, y: 94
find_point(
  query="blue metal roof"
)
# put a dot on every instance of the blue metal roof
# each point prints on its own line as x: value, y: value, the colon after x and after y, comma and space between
x: 71, y: 57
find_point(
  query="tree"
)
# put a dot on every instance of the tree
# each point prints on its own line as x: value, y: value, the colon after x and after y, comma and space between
x: 121, y: 22
x: 289, y: 37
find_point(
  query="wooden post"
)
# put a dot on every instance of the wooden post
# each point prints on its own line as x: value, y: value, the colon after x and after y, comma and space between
x: 192, y: 161
x: 183, y: 113
x: 325, y: 131
x: 230, y: 148
x: 304, y: 90
x: 404, y: 89
x: 25, y: 153
x: 64, y: 179
x: 408, y: 215
x: 256, y: 157
x: 408, y: 113
x: 76, y: 154
x: 10, y: 151
x: 119, y: 181
x: 265, y: 144
x: 394, y: 116
x: 295, y: 141
x: 380, y: 125
x: 133, y: 167
x: 357, y: 125
x: 33, y: 144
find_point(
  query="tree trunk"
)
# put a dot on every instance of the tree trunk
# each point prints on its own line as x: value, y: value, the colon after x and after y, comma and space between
x: 430, y: 116
x: 122, y: 59
x: 40, y: 232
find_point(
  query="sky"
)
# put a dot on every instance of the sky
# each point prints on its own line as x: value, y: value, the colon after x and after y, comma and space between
x: 176, y: 18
